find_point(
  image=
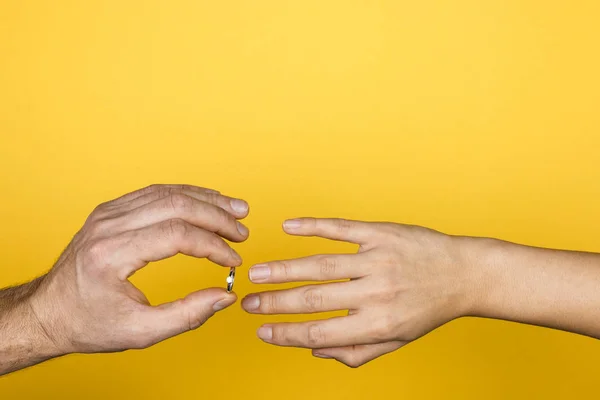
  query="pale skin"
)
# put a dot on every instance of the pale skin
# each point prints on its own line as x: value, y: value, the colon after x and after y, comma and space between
x: 86, y: 304
x: 405, y: 281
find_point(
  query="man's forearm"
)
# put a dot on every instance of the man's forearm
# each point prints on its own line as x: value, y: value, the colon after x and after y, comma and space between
x: 551, y: 288
x: 23, y: 341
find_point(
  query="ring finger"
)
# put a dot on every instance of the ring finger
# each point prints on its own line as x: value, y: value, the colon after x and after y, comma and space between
x: 305, y: 300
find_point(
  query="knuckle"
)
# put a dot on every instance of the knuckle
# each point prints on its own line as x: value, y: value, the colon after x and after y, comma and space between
x: 385, y: 296
x: 98, y: 227
x: 315, y: 336
x: 176, y: 228
x: 217, y: 244
x: 100, y: 208
x: 387, y: 227
x: 179, y: 202
x: 387, y: 290
x: 343, y: 225
x: 383, y: 233
x: 312, y: 223
x: 313, y: 299
x: 98, y: 214
x: 195, y: 319
x: 225, y: 218
x: 164, y: 191
x: 384, y: 327
x: 389, y: 257
x: 283, y: 268
x: 94, y: 253
x: 327, y: 266
x: 268, y: 303
x: 213, y: 198
x: 280, y: 334
x: 154, y: 188
x: 96, y: 249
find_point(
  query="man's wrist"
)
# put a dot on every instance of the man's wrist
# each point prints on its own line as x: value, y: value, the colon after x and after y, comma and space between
x: 35, y: 338
x: 23, y: 338
x: 44, y: 317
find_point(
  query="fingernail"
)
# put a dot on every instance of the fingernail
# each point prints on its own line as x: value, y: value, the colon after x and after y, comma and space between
x: 260, y: 273
x: 239, y: 206
x: 242, y: 229
x: 321, y: 355
x: 221, y: 304
x: 292, y: 224
x: 251, y: 302
x: 235, y: 254
x: 265, y: 332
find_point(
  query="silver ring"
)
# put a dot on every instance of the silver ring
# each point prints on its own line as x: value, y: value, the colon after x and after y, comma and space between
x: 230, y: 279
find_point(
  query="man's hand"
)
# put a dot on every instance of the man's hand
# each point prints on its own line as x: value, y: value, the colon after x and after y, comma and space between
x: 404, y: 282
x: 87, y: 304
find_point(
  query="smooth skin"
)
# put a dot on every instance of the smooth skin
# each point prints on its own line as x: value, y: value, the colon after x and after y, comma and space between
x: 86, y: 304
x: 406, y: 281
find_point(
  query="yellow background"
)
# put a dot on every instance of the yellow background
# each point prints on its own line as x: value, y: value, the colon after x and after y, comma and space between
x: 470, y: 117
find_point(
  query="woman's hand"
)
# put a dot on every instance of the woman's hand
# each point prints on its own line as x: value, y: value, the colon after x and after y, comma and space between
x: 404, y: 282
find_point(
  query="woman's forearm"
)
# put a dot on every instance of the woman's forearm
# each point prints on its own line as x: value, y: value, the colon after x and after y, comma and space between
x: 551, y: 288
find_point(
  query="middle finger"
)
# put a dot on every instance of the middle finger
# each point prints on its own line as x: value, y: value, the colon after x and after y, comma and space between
x: 305, y: 299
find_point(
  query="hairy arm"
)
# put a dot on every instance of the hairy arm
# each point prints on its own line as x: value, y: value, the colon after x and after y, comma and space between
x: 23, y: 341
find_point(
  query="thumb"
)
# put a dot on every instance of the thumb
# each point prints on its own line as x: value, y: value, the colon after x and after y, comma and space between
x: 171, y: 319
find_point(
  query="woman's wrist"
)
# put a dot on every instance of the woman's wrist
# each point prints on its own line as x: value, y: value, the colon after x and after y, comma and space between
x: 485, y: 268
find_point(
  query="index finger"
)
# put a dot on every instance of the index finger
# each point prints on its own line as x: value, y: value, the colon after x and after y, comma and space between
x: 332, y: 228
x: 133, y: 250
x: 323, y: 267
